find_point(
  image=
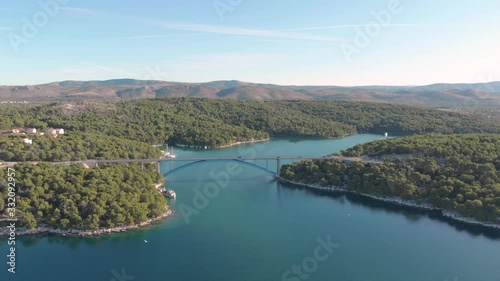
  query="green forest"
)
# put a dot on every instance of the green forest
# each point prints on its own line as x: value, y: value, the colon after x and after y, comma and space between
x: 74, y: 197
x: 74, y: 146
x: 212, y: 122
x: 459, y: 173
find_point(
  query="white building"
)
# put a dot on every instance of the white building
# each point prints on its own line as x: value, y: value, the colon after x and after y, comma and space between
x: 54, y: 132
x: 31, y: 131
x: 28, y: 141
x: 51, y: 132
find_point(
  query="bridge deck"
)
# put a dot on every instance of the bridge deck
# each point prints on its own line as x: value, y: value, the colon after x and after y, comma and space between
x: 194, y: 160
x: 240, y: 158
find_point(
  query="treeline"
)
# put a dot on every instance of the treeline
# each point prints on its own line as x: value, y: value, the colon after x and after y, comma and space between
x: 396, y: 119
x: 86, y: 199
x: 214, y: 122
x: 459, y: 173
x: 73, y: 147
x: 480, y: 148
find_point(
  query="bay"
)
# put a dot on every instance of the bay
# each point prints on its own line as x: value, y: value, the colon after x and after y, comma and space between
x: 254, y: 228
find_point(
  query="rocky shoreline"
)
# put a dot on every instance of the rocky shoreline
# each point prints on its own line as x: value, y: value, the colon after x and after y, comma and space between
x: 397, y: 201
x: 241, y: 142
x: 220, y: 146
x: 86, y: 233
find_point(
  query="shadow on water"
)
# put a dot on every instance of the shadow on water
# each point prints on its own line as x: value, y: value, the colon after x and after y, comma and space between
x: 410, y: 213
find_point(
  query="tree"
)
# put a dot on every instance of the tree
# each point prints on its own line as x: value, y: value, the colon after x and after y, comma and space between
x: 28, y: 220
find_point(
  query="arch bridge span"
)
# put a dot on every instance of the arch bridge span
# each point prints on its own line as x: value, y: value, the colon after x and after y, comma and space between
x: 258, y: 162
x: 178, y: 164
x: 239, y: 161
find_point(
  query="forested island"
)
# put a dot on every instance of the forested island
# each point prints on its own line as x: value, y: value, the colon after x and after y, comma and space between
x: 459, y: 174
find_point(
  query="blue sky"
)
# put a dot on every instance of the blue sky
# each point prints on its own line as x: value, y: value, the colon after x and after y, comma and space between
x: 316, y: 42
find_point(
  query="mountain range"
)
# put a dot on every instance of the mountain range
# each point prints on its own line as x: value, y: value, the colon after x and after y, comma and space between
x: 435, y: 95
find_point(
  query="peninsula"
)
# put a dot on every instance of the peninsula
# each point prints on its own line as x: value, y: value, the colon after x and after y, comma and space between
x: 458, y: 174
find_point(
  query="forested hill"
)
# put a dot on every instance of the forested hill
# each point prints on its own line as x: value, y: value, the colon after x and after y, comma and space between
x: 437, y: 95
x: 457, y: 173
x: 220, y: 122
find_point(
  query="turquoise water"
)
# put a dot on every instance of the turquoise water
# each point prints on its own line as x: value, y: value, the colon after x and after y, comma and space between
x: 252, y: 228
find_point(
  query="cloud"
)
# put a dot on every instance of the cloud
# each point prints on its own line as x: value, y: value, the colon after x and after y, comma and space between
x: 199, y: 63
x: 108, y: 69
x: 354, y: 25
x: 156, y: 36
x: 91, y: 69
x: 83, y: 11
x: 227, y: 30
x: 277, y: 34
x: 228, y: 61
x: 273, y: 41
x: 10, y: 10
x: 203, y: 28
x: 293, y: 34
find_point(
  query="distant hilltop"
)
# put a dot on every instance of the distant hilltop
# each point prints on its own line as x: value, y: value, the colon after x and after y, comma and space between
x: 436, y: 95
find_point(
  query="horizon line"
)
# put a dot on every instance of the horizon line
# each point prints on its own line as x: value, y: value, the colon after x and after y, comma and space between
x: 256, y: 83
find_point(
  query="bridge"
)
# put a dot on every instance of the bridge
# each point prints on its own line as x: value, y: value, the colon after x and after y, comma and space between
x: 244, y: 160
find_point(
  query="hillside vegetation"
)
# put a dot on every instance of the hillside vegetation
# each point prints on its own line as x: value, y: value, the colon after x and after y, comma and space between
x: 86, y: 199
x: 221, y: 122
x: 457, y: 173
x: 75, y: 147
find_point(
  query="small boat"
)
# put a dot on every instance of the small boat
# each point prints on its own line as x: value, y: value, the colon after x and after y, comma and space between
x: 168, y: 153
x: 145, y: 241
x: 169, y: 193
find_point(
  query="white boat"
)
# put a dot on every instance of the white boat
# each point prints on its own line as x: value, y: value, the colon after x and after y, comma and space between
x: 168, y: 153
x: 169, y: 193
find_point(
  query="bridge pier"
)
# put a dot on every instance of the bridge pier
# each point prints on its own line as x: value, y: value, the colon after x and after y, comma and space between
x: 278, y: 167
